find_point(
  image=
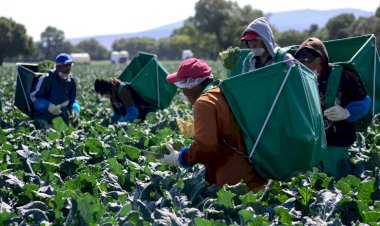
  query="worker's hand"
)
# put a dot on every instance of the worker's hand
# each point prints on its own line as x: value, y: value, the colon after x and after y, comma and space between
x: 186, y: 127
x: 172, y: 158
x: 54, y: 109
x: 74, y: 115
x: 336, y: 113
x: 63, y: 104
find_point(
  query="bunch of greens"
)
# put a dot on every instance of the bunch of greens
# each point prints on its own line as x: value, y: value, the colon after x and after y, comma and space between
x: 45, y: 66
x: 230, y: 57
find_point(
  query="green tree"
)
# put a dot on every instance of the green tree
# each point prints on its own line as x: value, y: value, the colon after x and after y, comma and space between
x: 202, y: 44
x: 312, y: 30
x: 135, y: 45
x: 13, y: 40
x: 52, y: 43
x: 171, y: 48
x: 291, y: 37
x: 339, y: 26
x: 377, y: 13
x: 92, y: 47
x: 216, y: 25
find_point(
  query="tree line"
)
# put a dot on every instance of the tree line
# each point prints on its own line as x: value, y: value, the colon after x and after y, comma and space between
x: 216, y: 25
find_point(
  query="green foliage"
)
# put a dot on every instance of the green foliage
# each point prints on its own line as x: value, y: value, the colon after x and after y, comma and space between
x: 14, y: 41
x: 339, y: 26
x: 98, y: 174
x: 92, y: 47
x: 45, y: 66
x: 52, y: 42
x: 230, y: 57
x: 291, y: 37
x: 135, y: 45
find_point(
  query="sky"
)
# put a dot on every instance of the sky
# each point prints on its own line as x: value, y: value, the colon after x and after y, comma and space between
x: 86, y: 18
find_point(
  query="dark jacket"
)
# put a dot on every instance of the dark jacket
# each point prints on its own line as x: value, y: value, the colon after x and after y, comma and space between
x: 52, y: 89
x: 340, y: 133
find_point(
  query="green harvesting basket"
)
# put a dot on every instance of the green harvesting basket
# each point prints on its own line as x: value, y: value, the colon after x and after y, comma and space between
x: 359, y: 54
x: 146, y: 75
x: 278, y: 110
x: 26, y: 76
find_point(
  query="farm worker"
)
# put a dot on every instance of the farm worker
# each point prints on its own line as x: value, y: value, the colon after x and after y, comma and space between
x: 351, y: 104
x: 54, y: 95
x: 127, y: 105
x: 258, y: 37
x: 217, y: 143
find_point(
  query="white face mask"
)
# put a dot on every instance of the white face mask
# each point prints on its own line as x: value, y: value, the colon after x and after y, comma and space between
x: 258, y: 51
x: 316, y: 72
x: 63, y: 75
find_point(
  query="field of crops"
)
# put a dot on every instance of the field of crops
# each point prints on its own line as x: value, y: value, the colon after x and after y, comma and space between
x: 97, y: 174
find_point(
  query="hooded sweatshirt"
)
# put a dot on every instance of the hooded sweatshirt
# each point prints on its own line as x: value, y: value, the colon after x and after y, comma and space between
x: 351, y: 91
x: 262, y: 28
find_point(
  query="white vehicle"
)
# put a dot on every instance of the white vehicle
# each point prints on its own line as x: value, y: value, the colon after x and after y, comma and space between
x: 81, y: 58
x: 121, y: 57
x: 186, y: 54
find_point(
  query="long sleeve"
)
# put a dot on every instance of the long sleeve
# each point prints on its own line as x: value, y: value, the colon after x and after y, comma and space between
x: 215, y: 130
x: 358, y: 109
x: 37, y: 95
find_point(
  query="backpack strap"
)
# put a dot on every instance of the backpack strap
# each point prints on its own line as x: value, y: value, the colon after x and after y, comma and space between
x: 280, y: 53
x: 246, y: 62
x: 210, y: 86
x: 333, y: 85
x: 120, y: 87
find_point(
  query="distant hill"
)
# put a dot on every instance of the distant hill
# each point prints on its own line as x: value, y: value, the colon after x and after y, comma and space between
x: 297, y: 20
x: 156, y: 33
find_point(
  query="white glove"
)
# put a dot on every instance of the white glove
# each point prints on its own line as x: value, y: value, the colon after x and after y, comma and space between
x: 63, y: 104
x: 172, y: 158
x: 54, y: 109
x: 74, y: 115
x: 336, y: 113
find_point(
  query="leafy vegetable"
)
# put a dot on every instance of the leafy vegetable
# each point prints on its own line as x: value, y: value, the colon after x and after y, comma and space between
x: 230, y: 57
x: 45, y: 66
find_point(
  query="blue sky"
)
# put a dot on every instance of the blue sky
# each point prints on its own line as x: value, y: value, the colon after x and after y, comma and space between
x: 83, y: 18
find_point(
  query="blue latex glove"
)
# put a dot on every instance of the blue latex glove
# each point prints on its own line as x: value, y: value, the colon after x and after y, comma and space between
x: 76, y: 106
x: 132, y: 114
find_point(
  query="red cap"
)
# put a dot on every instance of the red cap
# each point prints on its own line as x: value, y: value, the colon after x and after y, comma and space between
x: 190, y: 68
x: 248, y: 36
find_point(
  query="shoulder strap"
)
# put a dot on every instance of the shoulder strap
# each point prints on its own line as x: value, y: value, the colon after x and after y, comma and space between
x: 246, y: 61
x: 281, y: 52
x: 211, y: 85
x: 333, y: 85
x: 120, y: 87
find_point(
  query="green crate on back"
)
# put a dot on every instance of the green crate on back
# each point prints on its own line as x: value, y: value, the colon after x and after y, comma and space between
x: 147, y: 77
x: 26, y: 75
x: 359, y: 54
x: 280, y: 118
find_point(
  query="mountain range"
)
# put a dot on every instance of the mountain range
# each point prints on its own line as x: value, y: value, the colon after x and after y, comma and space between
x: 297, y: 20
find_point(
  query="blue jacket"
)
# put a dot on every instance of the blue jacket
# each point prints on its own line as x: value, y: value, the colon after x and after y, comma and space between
x: 52, y: 89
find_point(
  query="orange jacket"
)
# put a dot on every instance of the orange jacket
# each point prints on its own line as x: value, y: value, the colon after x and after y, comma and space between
x: 217, y: 143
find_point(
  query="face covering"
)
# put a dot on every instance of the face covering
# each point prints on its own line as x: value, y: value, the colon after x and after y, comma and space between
x: 316, y: 72
x: 258, y: 51
x: 63, y: 75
